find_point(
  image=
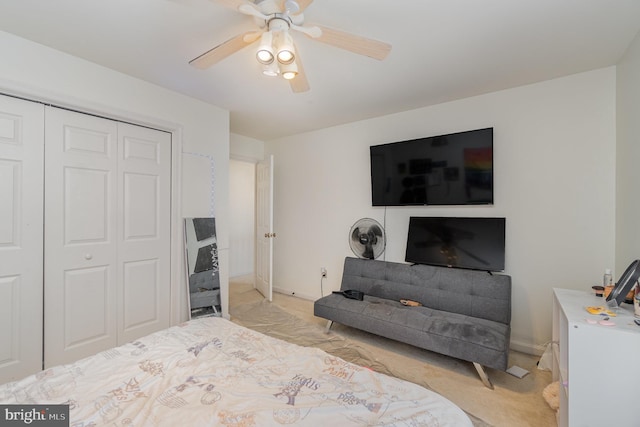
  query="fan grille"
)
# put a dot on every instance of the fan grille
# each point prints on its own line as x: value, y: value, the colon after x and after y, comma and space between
x: 367, y: 238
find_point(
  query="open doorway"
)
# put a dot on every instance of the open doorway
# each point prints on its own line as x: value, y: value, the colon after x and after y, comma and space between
x: 246, y: 242
x: 251, y: 231
x: 242, y: 202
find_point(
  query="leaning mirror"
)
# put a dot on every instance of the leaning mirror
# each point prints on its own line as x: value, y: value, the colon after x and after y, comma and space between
x: 201, y: 260
x: 628, y: 279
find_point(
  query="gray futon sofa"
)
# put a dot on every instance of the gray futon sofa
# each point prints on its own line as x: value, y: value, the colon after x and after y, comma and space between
x: 465, y: 314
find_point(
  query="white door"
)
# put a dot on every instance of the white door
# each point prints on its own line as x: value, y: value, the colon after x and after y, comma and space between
x: 264, y: 228
x: 81, y: 178
x: 21, y: 217
x: 107, y: 231
x: 144, y: 231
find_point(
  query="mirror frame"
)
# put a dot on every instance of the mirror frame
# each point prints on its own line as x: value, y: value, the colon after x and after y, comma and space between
x: 201, y: 267
x: 626, y: 283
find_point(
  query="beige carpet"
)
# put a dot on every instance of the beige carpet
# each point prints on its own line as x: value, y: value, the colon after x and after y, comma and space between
x: 514, y: 402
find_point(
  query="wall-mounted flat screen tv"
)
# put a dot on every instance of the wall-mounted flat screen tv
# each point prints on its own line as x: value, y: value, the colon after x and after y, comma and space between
x: 473, y: 243
x: 454, y: 169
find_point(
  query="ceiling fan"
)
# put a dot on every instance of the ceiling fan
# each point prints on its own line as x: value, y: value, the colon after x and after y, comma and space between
x: 277, y: 53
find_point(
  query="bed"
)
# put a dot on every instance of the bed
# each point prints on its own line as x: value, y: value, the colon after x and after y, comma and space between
x: 211, y: 371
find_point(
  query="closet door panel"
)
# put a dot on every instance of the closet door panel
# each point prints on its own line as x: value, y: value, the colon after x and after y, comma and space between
x: 140, y: 279
x: 86, y: 206
x: 10, y: 321
x: 144, y: 248
x: 10, y: 191
x: 141, y: 205
x: 21, y: 217
x: 86, y: 322
x: 81, y: 267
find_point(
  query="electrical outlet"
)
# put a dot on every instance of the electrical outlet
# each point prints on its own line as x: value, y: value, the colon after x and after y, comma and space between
x: 323, y: 272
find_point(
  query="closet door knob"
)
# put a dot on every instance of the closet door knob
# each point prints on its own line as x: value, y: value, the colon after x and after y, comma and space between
x: 88, y: 256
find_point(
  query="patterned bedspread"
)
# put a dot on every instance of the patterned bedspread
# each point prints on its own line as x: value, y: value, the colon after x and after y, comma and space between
x: 213, y: 372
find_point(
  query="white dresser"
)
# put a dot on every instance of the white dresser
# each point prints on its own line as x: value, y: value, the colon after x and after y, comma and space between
x: 598, y: 366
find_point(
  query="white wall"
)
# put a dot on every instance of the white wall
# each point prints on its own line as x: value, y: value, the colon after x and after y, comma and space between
x: 628, y: 158
x: 245, y: 148
x: 554, y: 154
x: 37, y: 72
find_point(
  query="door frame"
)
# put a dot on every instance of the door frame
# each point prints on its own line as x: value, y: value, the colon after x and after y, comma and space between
x: 44, y: 96
x: 255, y: 160
x: 265, y: 287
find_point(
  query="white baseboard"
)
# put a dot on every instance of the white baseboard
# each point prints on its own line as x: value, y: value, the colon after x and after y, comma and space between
x: 295, y: 294
x: 528, y: 348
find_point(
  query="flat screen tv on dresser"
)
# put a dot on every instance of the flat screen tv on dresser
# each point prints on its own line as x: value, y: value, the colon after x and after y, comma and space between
x: 473, y: 243
x: 453, y: 169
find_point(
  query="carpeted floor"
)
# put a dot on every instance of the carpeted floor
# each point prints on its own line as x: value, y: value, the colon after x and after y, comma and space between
x: 514, y: 402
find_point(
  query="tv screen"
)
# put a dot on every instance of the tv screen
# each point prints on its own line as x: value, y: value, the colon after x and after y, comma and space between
x: 454, y: 169
x: 473, y: 243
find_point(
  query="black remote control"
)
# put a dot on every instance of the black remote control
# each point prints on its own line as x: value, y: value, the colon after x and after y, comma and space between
x: 637, y: 321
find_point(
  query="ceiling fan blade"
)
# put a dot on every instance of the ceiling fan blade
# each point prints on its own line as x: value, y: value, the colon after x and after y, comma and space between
x: 313, y: 32
x: 251, y: 36
x: 357, y: 44
x: 250, y: 9
x: 302, y: 5
x: 220, y: 52
x: 290, y: 7
x: 300, y: 83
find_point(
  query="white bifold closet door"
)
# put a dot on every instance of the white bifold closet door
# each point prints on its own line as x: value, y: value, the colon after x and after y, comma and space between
x: 21, y: 216
x: 107, y: 234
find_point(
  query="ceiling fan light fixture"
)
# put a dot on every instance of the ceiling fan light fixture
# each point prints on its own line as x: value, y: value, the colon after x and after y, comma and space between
x: 265, y: 50
x: 270, y: 70
x: 264, y: 56
x: 289, y: 71
x: 277, y: 54
x: 285, y: 57
x: 286, y: 53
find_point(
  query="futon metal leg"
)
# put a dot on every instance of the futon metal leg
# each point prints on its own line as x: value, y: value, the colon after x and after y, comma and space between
x: 329, y: 323
x: 483, y: 375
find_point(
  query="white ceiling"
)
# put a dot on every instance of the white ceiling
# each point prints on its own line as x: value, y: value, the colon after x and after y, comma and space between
x: 442, y: 50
